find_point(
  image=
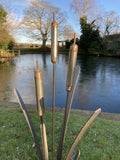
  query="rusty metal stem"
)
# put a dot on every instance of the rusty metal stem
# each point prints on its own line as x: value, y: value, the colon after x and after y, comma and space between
x: 41, y: 118
x: 69, y: 100
x: 62, y: 136
x: 53, y: 111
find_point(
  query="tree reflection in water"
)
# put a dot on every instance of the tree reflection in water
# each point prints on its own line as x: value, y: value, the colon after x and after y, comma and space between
x: 98, y: 84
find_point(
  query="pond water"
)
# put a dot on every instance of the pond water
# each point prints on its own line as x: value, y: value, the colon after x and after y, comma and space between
x: 98, y: 84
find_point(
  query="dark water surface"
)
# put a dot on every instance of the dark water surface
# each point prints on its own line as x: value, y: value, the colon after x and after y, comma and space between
x: 98, y: 84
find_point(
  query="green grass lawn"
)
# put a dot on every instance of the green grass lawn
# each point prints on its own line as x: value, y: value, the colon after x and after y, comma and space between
x: 100, y: 142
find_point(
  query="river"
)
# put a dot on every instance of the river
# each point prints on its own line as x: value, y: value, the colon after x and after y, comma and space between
x: 98, y: 84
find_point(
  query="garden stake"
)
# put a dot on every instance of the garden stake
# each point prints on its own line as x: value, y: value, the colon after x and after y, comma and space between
x: 71, y: 82
x: 70, y: 88
x: 54, y: 42
x: 27, y: 117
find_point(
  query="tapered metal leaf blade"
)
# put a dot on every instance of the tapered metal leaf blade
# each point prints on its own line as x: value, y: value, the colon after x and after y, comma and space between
x: 27, y: 117
x: 82, y: 131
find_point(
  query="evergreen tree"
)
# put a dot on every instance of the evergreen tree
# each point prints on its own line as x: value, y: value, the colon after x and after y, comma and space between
x: 90, y: 40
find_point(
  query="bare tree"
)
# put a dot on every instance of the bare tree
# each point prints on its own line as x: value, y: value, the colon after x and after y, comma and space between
x: 68, y: 32
x: 84, y: 8
x: 109, y: 23
x: 12, y: 22
x: 37, y: 20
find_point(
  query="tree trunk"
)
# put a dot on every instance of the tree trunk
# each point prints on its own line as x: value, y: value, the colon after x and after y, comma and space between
x: 44, y: 39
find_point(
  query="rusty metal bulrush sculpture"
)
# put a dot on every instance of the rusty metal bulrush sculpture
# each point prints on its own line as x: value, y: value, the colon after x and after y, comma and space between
x: 72, y: 77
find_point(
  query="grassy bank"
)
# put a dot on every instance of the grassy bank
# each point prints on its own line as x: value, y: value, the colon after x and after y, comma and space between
x: 30, y: 50
x: 100, y: 142
x: 64, y: 51
x: 40, y: 50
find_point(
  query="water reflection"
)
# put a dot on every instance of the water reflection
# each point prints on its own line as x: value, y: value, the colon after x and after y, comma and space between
x: 98, y: 84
